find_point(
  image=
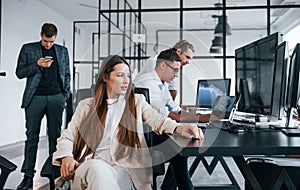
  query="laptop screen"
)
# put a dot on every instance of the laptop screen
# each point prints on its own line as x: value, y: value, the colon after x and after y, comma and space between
x: 208, y: 90
x: 224, y: 106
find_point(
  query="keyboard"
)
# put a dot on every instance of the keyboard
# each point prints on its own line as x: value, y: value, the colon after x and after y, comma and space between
x: 224, y: 125
x: 231, y: 126
x: 234, y: 127
x: 227, y: 125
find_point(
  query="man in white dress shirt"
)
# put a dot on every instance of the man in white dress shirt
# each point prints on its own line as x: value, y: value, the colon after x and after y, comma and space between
x: 157, y: 81
x: 185, y: 50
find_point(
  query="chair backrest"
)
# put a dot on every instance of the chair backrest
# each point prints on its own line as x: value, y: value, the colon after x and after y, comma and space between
x: 144, y: 91
x: 157, y: 156
x: 82, y: 94
x: 147, y: 129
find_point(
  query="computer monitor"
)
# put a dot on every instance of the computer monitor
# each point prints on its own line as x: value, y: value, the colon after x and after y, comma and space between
x: 255, y: 62
x: 293, y: 86
x: 279, y: 81
x: 208, y: 90
x: 244, y: 104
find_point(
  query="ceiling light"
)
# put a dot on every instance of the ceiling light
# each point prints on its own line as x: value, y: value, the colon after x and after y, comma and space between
x: 212, y: 50
x: 217, y: 43
x: 219, y: 27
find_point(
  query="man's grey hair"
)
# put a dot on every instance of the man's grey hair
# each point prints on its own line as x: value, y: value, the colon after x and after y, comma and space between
x: 184, y: 46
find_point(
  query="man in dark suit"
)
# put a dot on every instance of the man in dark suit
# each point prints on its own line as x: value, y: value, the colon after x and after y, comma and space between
x: 46, y: 67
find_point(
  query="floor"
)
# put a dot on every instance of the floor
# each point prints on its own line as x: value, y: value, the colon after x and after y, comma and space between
x: 14, y: 153
x: 200, y: 178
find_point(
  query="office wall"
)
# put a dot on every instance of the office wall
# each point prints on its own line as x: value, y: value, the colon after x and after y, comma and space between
x: 21, y: 23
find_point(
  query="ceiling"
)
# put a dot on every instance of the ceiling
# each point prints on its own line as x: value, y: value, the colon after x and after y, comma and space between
x: 163, y: 19
x: 85, y: 10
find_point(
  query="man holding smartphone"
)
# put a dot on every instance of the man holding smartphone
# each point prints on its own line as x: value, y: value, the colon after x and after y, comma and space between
x: 45, y: 65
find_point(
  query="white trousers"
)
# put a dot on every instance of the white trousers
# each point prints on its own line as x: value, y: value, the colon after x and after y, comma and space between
x: 96, y: 174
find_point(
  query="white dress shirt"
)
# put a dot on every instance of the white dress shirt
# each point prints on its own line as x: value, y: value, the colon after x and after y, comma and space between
x: 160, y: 97
x: 149, y: 66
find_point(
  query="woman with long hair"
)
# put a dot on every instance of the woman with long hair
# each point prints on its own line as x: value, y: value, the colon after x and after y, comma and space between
x: 106, y: 133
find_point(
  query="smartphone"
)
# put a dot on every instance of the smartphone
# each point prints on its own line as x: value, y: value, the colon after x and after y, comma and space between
x: 48, y: 57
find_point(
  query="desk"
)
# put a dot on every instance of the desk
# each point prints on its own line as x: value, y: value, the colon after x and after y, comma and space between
x: 222, y: 143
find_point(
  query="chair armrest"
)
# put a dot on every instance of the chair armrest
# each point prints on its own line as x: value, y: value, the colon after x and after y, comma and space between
x: 7, y: 165
x: 50, y: 171
x: 6, y: 168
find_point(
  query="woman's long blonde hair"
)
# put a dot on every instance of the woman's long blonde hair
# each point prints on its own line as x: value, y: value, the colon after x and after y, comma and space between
x: 92, y: 126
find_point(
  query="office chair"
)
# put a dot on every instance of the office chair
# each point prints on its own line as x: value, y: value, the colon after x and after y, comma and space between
x: 81, y: 94
x: 6, y: 168
x: 48, y: 170
x: 158, y: 160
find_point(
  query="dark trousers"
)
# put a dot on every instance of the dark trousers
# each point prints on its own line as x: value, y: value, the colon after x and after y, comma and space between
x: 52, y: 106
x: 177, y: 173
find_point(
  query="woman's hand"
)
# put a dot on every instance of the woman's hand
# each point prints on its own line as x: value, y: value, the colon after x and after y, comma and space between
x: 189, y: 131
x: 68, y: 166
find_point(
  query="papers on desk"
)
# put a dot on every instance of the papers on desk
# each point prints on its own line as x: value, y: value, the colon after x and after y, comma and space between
x: 201, y: 125
x: 203, y: 111
x: 197, y: 110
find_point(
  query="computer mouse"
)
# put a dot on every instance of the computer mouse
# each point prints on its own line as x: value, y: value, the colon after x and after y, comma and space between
x: 195, y: 138
x: 237, y: 129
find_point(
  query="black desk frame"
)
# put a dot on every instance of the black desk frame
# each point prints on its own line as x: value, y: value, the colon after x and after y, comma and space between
x: 210, y: 168
x: 219, y: 143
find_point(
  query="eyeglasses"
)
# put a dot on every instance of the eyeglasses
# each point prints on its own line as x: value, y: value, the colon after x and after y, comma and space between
x: 187, y: 56
x: 176, y: 70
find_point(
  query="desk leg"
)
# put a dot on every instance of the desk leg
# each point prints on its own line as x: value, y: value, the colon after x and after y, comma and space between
x: 246, y: 172
x: 195, y: 165
x: 210, y: 168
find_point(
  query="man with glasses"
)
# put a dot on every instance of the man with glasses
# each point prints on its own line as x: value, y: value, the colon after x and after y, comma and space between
x: 185, y: 50
x: 157, y: 81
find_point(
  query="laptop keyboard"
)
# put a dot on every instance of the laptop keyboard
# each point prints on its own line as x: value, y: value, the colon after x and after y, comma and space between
x: 227, y: 125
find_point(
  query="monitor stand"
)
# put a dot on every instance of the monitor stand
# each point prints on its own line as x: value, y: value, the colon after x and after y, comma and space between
x: 286, y: 123
x: 291, y: 132
x: 291, y: 127
x: 281, y: 126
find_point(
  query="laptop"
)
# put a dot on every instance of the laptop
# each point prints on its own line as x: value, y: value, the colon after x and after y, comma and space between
x: 209, y: 89
x: 206, y: 93
x: 224, y: 108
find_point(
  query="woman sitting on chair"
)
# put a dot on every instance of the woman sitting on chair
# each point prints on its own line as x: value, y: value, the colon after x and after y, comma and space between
x: 106, y: 133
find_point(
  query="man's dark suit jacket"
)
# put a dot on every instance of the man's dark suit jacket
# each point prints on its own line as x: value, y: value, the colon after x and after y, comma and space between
x: 27, y: 67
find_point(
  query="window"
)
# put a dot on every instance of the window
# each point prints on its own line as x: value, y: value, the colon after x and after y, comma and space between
x: 292, y: 37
